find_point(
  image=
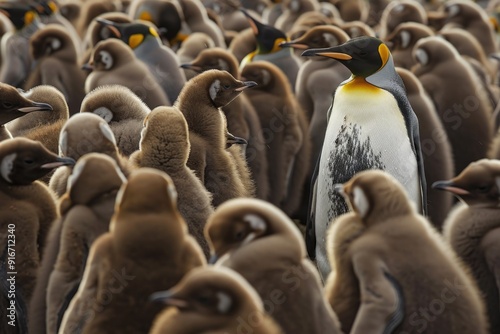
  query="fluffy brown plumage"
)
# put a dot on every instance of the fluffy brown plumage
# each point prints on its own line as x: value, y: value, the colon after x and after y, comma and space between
x: 122, y: 110
x: 391, y: 270
x: 212, y: 299
x: 85, y: 133
x: 148, y: 247
x: 113, y: 62
x: 28, y: 209
x: 242, y: 118
x: 165, y: 146
x: 285, y: 129
x: 473, y: 228
x: 200, y: 102
x: 260, y: 242
x: 463, y: 109
x: 55, y: 54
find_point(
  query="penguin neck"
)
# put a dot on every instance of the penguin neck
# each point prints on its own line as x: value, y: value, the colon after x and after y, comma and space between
x: 149, y: 45
x: 358, y: 83
x: 29, y: 30
x: 205, y: 121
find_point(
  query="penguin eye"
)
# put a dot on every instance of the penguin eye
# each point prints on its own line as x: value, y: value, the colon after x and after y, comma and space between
x: 240, y: 235
x: 7, y: 105
x: 226, y: 86
x: 28, y: 161
x: 204, y: 300
x: 483, y: 189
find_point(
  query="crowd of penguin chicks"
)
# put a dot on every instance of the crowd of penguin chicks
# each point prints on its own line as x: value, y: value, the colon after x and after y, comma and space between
x: 143, y: 139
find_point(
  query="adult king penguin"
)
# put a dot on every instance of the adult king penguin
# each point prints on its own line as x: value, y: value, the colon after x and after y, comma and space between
x: 371, y: 125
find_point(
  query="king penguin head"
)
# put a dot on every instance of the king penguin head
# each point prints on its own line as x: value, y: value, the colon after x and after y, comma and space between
x: 363, y: 56
x: 20, y: 15
x: 268, y: 37
x: 133, y: 33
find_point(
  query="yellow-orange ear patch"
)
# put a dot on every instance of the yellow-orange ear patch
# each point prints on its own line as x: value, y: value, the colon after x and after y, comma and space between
x: 277, y: 42
x: 29, y: 17
x: 153, y: 32
x: 384, y: 53
x: 135, y: 40
x: 145, y: 16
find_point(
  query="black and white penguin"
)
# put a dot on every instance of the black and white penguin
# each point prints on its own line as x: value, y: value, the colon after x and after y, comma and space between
x: 371, y: 126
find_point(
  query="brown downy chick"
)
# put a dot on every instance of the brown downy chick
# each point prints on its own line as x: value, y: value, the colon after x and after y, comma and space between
x: 148, y: 245
x: 285, y: 129
x: 200, y: 102
x: 55, y: 54
x: 86, y: 210
x: 165, y: 146
x: 260, y: 242
x: 43, y: 127
x: 122, y: 110
x: 114, y: 62
x: 378, y: 283
x: 14, y: 105
x: 209, y: 300
x: 85, y: 133
x: 27, y: 209
x: 473, y: 228
x: 242, y: 118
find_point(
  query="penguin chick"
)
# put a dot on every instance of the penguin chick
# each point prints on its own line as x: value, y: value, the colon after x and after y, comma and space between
x: 209, y: 300
x: 285, y: 130
x: 97, y: 32
x: 258, y: 240
x: 439, y: 67
x: 401, y: 11
x: 148, y: 245
x: 13, y: 105
x: 436, y: 148
x: 268, y: 40
x: 357, y: 29
x: 194, y: 45
x: 378, y: 285
x: 55, y: 54
x: 349, y: 10
x: 241, y: 116
x: 122, y: 110
x: 197, y: 20
x: 43, y: 127
x: 86, y: 211
x: 473, y: 19
x: 90, y: 9
x: 402, y: 40
x: 165, y: 146
x: 243, y: 44
x: 162, y: 62
x: 467, y: 45
x: 292, y: 9
x: 113, y: 62
x: 85, y: 133
x: 200, y: 102
x: 472, y: 228
x: 27, y: 210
